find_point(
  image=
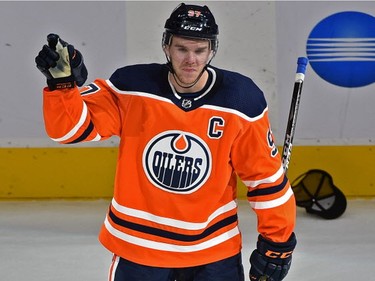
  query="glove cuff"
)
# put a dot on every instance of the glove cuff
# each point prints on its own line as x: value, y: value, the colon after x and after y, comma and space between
x: 79, y: 71
x: 61, y: 83
x: 275, y: 250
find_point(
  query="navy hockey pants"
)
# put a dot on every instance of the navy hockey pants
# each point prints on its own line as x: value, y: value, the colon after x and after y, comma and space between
x: 229, y: 269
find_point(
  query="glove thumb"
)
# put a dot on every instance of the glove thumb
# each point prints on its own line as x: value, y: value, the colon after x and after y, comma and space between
x: 62, y: 68
x: 52, y: 40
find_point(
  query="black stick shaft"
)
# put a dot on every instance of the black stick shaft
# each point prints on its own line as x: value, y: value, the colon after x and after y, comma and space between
x: 293, y: 112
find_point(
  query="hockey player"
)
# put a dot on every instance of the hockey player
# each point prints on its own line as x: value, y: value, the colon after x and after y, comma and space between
x: 188, y: 131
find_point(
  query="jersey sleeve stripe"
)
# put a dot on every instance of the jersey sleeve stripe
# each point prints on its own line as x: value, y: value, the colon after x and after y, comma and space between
x: 76, y: 127
x: 272, y: 203
x: 171, y: 247
x: 97, y: 138
x: 269, y: 190
x: 84, y: 135
x: 270, y: 179
x: 173, y: 222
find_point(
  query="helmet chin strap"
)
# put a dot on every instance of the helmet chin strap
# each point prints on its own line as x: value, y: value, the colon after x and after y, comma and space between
x: 178, y: 81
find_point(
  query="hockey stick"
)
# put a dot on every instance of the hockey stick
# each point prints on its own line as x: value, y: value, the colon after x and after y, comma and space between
x: 291, y: 125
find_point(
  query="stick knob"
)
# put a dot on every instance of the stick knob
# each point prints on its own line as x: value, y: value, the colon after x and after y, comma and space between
x: 301, y: 65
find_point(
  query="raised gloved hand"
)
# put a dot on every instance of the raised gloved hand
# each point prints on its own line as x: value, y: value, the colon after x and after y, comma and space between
x: 61, y: 63
x: 271, y: 261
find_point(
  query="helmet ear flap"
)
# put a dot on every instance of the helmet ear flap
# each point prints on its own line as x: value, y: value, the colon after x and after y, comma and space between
x: 166, y: 39
x: 214, y: 45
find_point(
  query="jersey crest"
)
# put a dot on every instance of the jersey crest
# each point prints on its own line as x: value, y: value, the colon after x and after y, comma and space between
x: 177, y: 161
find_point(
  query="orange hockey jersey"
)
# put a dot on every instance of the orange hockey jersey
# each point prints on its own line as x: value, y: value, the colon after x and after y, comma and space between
x: 174, y: 202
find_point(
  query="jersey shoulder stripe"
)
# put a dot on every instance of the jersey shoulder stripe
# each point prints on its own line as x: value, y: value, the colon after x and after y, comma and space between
x: 148, y: 78
x: 137, y: 93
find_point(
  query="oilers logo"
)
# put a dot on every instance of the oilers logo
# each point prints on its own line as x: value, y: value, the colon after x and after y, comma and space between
x: 177, y: 161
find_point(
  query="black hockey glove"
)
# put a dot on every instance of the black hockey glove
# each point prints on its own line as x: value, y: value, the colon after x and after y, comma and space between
x: 61, y: 63
x: 271, y: 261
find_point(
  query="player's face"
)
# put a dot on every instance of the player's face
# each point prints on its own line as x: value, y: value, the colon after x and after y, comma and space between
x: 189, y: 57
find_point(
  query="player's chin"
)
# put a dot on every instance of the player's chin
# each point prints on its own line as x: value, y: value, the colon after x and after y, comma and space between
x: 189, y: 78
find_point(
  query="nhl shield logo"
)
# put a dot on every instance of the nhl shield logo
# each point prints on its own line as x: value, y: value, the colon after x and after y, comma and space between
x: 186, y: 103
x: 177, y: 162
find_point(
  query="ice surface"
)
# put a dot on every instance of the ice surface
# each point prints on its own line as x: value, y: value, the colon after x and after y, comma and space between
x: 57, y: 241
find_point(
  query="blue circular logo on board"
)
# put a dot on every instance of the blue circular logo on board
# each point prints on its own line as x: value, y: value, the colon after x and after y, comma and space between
x: 341, y: 49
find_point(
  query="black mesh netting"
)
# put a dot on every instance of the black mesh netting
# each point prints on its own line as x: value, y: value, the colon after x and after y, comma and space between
x: 315, y: 191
